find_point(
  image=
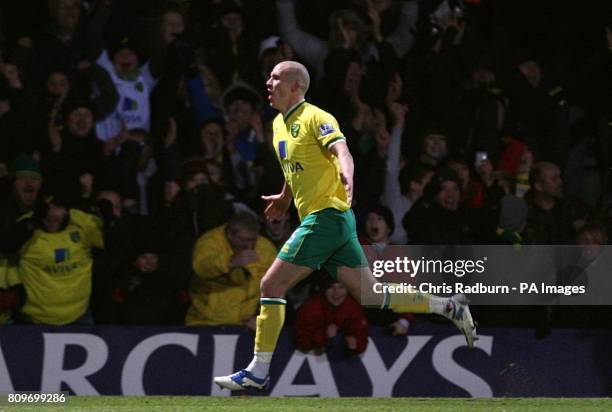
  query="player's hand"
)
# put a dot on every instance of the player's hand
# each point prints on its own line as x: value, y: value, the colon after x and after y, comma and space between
x: 243, y: 258
x: 351, y: 342
x: 277, y: 206
x: 347, y: 181
x: 332, y: 331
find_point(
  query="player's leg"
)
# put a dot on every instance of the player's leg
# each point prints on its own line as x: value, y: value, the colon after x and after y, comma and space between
x: 350, y: 265
x: 367, y: 290
x: 279, y: 278
x: 274, y: 286
x: 304, y: 251
x: 361, y: 285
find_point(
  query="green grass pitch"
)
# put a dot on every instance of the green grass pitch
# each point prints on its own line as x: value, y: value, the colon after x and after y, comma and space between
x: 259, y: 404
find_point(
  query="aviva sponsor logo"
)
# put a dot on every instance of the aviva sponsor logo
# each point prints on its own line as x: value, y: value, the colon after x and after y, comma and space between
x: 292, y: 167
x: 62, y: 255
x: 129, y: 105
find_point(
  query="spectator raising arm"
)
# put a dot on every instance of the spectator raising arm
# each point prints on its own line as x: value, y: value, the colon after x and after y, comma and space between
x: 393, y: 197
x: 309, y: 47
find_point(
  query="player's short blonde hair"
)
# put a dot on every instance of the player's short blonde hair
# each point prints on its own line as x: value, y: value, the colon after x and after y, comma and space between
x: 295, y: 71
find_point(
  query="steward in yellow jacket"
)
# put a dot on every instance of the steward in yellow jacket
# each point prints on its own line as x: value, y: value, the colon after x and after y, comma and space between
x: 229, y: 262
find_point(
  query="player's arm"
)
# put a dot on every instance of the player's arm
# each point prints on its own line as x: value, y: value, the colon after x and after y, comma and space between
x: 341, y: 151
x: 278, y: 204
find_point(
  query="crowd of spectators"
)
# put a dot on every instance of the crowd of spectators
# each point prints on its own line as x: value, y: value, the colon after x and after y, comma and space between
x: 135, y: 143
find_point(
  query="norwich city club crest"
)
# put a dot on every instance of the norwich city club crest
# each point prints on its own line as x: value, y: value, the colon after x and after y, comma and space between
x: 75, y: 237
x: 295, y: 129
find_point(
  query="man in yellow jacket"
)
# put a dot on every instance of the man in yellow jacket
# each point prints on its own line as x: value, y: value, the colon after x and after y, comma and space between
x: 229, y: 262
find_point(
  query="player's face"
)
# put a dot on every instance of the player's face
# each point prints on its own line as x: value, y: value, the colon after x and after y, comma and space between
x: 279, y: 89
x: 335, y: 294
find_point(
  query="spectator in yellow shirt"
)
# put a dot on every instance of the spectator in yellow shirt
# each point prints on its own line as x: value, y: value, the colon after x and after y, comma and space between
x: 55, y: 264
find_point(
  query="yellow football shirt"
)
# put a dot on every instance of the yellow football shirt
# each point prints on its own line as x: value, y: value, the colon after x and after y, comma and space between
x: 55, y: 269
x: 302, y: 139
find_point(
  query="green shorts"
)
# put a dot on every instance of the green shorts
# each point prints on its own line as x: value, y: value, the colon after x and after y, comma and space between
x: 328, y: 239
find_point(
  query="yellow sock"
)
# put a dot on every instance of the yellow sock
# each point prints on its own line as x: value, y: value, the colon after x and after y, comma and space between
x: 269, y: 324
x: 409, y: 302
x: 413, y: 302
